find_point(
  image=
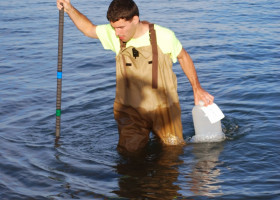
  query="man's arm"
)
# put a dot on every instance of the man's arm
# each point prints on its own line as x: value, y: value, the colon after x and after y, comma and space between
x: 189, y: 69
x: 81, y: 21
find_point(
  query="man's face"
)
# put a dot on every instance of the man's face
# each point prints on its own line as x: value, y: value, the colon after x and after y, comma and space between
x: 125, y: 30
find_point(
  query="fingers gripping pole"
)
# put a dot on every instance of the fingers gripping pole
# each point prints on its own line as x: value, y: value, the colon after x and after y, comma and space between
x: 59, y: 71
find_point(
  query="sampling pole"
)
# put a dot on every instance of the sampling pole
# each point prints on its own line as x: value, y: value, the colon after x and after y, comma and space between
x: 59, y: 71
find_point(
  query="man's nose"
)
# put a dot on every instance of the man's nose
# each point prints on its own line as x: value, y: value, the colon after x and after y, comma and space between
x: 117, y: 32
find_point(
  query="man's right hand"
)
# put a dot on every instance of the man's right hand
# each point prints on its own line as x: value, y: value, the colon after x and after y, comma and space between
x: 64, y: 4
x: 80, y: 20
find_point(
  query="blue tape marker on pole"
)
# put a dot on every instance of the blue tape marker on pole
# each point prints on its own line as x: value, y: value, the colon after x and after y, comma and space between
x: 59, y: 75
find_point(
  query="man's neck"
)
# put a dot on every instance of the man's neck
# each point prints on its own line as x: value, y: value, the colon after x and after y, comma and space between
x: 141, y: 29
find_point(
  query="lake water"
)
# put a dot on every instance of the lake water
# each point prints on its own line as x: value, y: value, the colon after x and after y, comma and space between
x: 235, y: 46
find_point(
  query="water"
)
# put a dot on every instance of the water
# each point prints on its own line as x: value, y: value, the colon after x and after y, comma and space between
x: 235, y: 46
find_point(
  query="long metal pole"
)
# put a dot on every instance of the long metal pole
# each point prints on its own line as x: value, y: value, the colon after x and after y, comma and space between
x: 59, y: 71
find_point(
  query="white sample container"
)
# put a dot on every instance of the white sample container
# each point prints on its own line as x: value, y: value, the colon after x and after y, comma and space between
x: 207, y: 123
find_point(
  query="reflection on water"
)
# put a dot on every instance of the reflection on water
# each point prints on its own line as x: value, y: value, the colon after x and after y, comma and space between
x: 205, y: 174
x: 151, y: 175
x: 154, y: 175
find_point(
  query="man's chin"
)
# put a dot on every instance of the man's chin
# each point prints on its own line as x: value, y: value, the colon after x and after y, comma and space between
x: 123, y: 39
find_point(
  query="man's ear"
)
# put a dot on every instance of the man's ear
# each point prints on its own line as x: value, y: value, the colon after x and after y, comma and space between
x: 135, y: 19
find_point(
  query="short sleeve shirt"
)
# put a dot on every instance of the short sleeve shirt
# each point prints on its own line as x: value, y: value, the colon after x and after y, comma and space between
x: 166, y: 40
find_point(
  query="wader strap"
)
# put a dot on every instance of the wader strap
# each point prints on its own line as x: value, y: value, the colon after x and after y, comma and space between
x: 153, y: 39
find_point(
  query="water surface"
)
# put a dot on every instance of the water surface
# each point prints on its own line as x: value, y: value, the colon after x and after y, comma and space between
x: 235, y: 47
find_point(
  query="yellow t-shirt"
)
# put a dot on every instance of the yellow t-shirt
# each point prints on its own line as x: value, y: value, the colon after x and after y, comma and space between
x: 166, y: 40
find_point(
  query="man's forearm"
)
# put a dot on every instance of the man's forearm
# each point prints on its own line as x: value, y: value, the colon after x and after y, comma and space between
x: 82, y: 22
x: 189, y: 69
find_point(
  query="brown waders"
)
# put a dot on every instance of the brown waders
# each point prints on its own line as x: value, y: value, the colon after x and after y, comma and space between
x: 146, y: 97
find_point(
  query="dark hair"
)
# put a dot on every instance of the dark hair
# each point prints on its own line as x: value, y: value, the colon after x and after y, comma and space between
x: 122, y: 9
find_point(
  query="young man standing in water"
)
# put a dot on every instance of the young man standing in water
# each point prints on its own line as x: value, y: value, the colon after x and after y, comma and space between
x: 146, y: 87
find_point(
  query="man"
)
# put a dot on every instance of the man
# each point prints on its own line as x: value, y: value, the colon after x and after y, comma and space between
x: 146, y: 87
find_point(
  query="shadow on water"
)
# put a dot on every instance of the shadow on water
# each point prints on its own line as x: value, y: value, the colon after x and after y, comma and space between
x: 151, y: 175
x: 155, y: 174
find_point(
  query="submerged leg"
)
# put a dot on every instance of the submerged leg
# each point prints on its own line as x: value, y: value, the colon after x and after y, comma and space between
x: 133, y: 129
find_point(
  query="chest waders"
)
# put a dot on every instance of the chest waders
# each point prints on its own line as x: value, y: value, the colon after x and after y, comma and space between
x: 146, y: 97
